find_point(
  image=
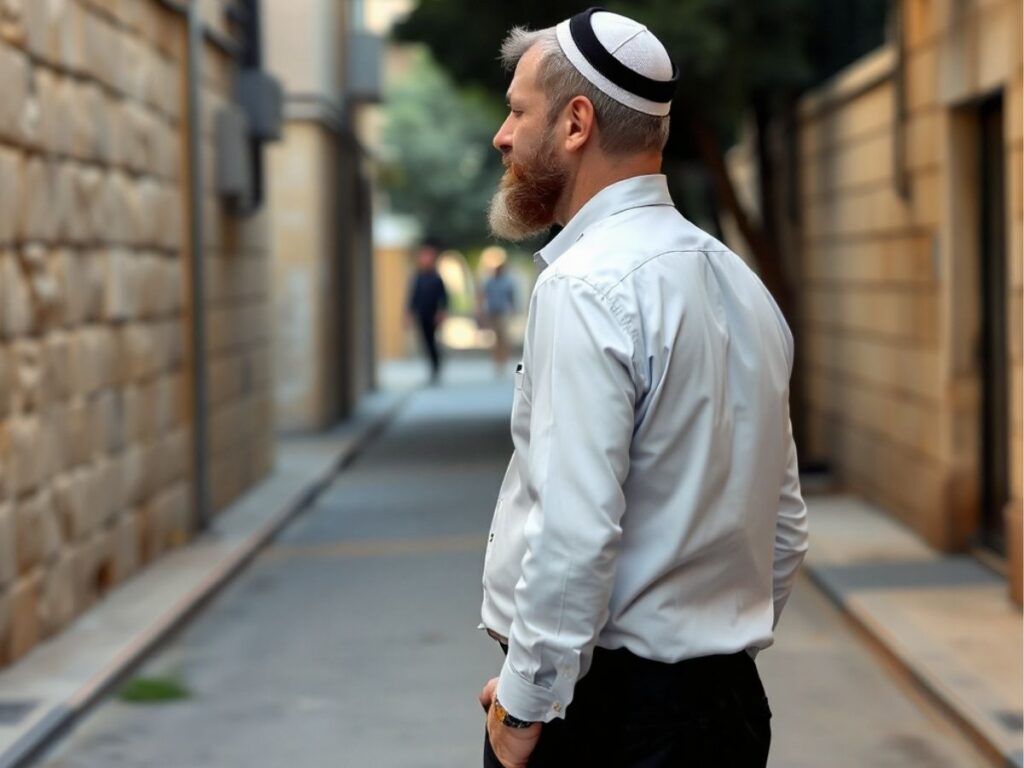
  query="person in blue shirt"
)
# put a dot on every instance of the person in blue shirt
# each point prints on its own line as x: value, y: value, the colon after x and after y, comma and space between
x: 428, y: 303
x: 499, y: 304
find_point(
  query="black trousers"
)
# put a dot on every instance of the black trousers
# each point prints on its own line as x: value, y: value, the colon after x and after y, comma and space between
x: 630, y: 712
x: 428, y: 330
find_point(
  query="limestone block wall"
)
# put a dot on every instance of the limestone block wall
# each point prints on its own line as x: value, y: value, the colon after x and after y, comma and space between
x: 95, y: 407
x: 237, y: 264
x: 890, y: 310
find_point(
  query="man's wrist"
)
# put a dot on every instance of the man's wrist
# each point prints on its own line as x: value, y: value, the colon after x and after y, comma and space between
x: 502, y: 715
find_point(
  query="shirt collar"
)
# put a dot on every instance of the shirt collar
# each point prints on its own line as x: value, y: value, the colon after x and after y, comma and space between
x: 634, y: 192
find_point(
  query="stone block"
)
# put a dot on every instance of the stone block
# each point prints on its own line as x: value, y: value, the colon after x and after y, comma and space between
x: 68, y: 502
x: 126, y: 548
x: 30, y: 520
x: 81, y: 441
x: 8, y: 546
x: 5, y: 455
x: 6, y: 386
x: 151, y: 530
x: 94, y: 359
x: 57, y: 364
x: 131, y: 476
x: 154, y: 286
x: 25, y: 448
x: 164, y: 402
x: 38, y: 215
x: 43, y: 106
x: 24, y: 615
x: 11, y: 25
x: 86, y: 194
x: 175, y: 453
x: 175, y: 334
x: 44, y: 286
x: 108, y: 420
x: 57, y: 600
x: 31, y: 389
x: 151, y: 469
x: 17, y: 317
x: 11, y: 165
x: 70, y: 271
x: 138, y: 351
x: 84, y: 566
x: 14, y: 106
x: 120, y: 285
x: 104, y: 490
x: 177, y: 509
x: 77, y: 222
x: 131, y: 401
x: 101, y: 48
x: 38, y: 18
x: 84, y: 366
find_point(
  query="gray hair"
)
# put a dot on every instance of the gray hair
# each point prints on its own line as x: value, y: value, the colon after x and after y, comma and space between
x: 623, y: 130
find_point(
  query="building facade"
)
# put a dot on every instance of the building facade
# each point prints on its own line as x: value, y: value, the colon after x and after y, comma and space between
x: 905, y: 214
x: 134, y: 311
x: 320, y: 206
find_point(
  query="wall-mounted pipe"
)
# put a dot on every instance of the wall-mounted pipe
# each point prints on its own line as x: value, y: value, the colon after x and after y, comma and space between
x: 197, y: 261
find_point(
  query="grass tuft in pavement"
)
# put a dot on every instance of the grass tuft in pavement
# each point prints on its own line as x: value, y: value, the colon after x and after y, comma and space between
x: 153, y: 690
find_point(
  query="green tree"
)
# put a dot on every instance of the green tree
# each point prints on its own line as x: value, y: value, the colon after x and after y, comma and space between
x: 438, y: 162
x: 736, y: 58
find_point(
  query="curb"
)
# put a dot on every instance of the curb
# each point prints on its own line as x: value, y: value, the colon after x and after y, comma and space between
x: 931, y: 690
x: 60, y: 719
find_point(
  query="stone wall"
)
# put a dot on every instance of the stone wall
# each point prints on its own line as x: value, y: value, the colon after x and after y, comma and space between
x: 891, y: 315
x: 95, y: 412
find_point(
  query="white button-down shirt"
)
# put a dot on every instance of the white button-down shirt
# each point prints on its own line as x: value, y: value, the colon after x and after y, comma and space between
x: 652, y: 501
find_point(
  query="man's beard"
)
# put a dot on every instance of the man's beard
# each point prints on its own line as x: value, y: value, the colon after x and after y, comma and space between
x: 524, y: 204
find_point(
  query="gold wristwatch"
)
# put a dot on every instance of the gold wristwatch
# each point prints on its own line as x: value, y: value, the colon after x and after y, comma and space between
x: 506, y: 719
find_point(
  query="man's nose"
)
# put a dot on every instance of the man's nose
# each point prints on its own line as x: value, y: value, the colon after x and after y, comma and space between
x: 503, y: 139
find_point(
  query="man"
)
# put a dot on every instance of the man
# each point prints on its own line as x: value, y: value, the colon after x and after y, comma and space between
x: 428, y: 302
x: 650, y: 525
x: 499, y: 304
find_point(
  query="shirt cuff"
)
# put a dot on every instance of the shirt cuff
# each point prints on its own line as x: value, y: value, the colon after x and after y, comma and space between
x: 535, y: 703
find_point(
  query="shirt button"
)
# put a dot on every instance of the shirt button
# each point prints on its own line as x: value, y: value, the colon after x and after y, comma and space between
x: 557, y: 707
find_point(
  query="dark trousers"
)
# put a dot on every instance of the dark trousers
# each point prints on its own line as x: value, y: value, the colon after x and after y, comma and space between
x: 428, y: 330
x: 630, y: 712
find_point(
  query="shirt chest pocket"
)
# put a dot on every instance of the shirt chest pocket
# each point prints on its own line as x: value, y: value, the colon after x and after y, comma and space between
x: 521, y: 405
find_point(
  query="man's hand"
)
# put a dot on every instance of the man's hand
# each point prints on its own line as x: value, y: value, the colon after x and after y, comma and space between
x: 513, y: 746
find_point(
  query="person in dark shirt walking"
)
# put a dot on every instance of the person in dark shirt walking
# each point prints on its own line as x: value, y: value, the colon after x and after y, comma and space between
x: 428, y: 302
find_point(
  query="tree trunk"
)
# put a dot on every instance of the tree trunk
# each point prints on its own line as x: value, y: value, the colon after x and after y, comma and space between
x: 763, y: 249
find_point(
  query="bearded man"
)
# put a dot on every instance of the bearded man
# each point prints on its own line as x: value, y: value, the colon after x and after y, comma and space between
x: 650, y: 524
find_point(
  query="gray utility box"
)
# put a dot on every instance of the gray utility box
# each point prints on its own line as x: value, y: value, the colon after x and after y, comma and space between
x: 261, y: 97
x: 365, y: 52
x: 233, y: 158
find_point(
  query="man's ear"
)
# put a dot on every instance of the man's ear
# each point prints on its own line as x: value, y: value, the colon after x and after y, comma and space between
x: 580, y: 121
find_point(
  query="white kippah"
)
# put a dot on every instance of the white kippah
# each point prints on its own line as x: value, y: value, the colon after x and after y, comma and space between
x: 634, y: 46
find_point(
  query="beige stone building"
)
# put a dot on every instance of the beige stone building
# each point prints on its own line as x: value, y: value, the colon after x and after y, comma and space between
x: 906, y: 219
x: 320, y: 206
x: 129, y: 411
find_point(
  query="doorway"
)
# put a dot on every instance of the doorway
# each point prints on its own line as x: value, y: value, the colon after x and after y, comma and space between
x: 993, y: 339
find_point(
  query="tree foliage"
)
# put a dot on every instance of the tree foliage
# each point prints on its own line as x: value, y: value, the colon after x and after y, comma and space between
x: 439, y: 164
x: 736, y: 57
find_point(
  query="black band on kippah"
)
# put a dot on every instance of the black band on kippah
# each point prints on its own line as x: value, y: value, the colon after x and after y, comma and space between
x: 582, y: 30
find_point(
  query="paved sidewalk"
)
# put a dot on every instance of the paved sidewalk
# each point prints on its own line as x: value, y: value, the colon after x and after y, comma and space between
x: 45, y: 692
x: 946, y: 620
